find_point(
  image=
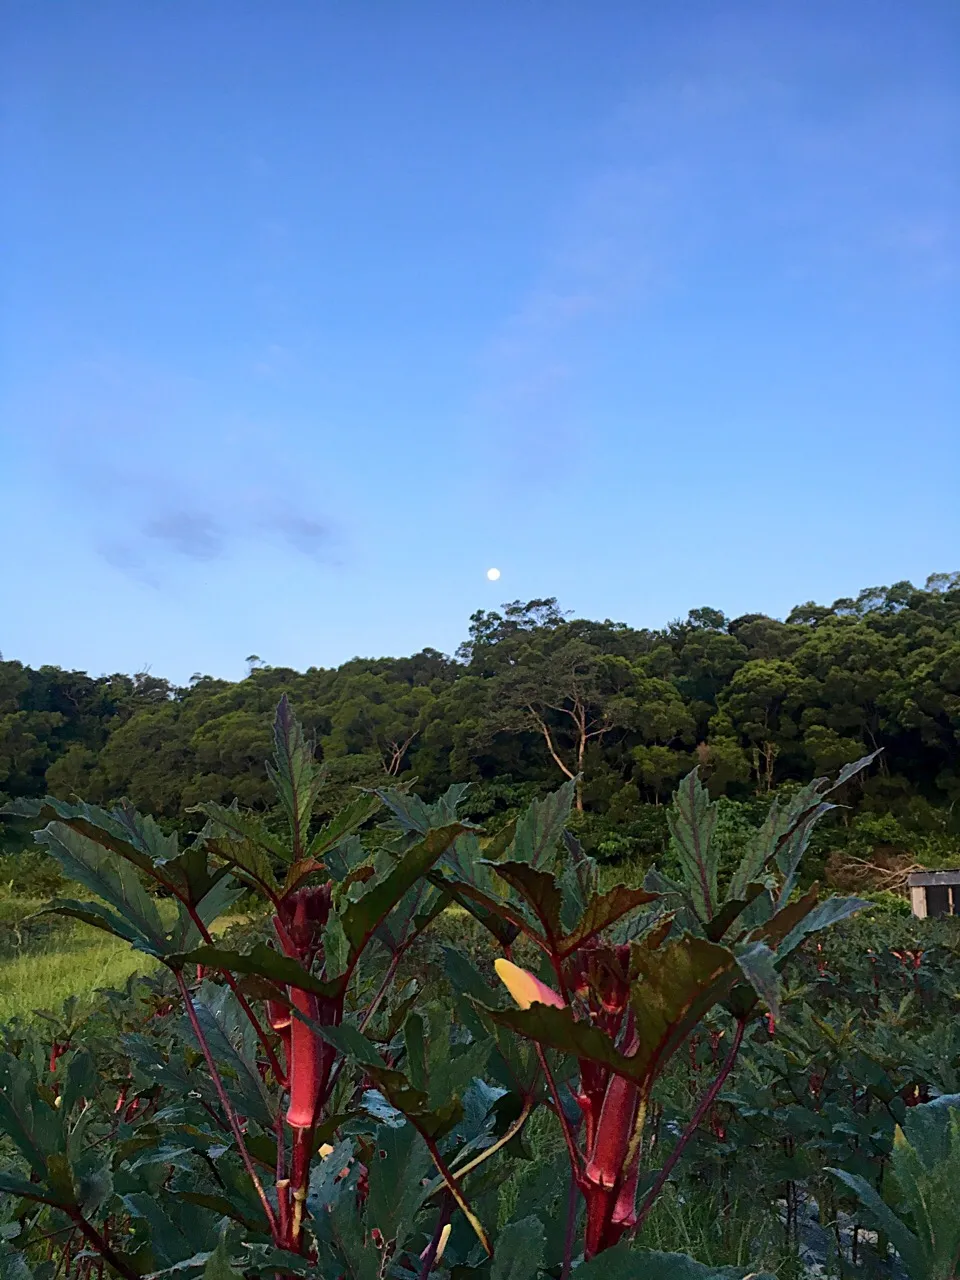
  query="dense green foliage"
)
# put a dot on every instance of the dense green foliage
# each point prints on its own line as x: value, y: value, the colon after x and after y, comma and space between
x: 534, y: 697
x: 447, y: 1051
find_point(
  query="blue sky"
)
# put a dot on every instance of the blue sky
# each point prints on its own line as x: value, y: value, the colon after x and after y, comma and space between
x: 311, y: 312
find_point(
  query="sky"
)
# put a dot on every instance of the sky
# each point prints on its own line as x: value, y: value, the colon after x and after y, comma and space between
x: 311, y: 312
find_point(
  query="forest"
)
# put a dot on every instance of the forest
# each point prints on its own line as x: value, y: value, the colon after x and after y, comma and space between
x: 571, y: 955
x: 534, y: 698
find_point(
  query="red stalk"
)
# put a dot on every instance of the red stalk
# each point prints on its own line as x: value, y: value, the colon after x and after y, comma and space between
x: 605, y: 1178
x: 305, y: 1062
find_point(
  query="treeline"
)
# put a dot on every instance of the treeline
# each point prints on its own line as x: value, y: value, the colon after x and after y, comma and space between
x: 534, y: 697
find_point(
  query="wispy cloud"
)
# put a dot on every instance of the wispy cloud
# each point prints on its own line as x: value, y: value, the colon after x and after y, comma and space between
x: 154, y: 476
x: 189, y: 533
x: 741, y: 162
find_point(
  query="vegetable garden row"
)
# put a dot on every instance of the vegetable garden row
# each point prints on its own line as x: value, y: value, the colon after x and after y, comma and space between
x: 441, y: 1051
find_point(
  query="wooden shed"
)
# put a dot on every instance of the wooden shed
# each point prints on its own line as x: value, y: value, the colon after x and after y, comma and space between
x: 934, y: 893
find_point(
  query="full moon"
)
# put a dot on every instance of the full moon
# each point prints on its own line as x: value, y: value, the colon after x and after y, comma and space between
x: 493, y: 574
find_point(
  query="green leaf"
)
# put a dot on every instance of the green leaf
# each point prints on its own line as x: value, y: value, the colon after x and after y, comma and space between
x: 678, y: 983
x: 295, y: 774
x: 602, y: 911
x: 11, y: 1185
x: 124, y: 832
x: 224, y: 1027
x: 731, y: 912
x: 264, y: 962
x: 22, y: 1120
x: 400, y: 1093
x: 225, y: 1208
x: 219, y: 1266
x: 249, y: 836
x: 13, y: 1266
x: 396, y: 1178
x: 59, y: 1178
x: 758, y: 965
x: 415, y: 1042
x: 822, y: 916
x: 414, y: 816
x: 99, y: 917
x: 336, y: 948
x: 361, y: 918
x: 114, y: 882
x: 519, y: 1251
x: 624, y: 1263
x: 559, y: 1029
x: 540, y: 891
x: 350, y: 819
x: 136, y: 839
x: 541, y: 825
x: 900, y: 1236
x: 693, y: 820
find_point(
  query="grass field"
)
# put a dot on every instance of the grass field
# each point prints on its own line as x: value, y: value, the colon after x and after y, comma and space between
x: 83, y: 965
x: 42, y: 963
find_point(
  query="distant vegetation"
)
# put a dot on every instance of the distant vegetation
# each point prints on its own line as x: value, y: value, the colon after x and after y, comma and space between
x: 534, y: 697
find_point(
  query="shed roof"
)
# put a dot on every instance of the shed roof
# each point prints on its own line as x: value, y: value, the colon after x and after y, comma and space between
x: 928, y: 878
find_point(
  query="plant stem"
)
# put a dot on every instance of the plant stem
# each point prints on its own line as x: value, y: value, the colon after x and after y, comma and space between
x: 637, y: 1136
x: 430, y: 1253
x: 454, y: 1187
x: 561, y: 1114
x: 365, y: 1020
x: 704, y: 1105
x: 570, y: 1231
x: 278, y: 1071
x: 99, y: 1243
x: 461, y: 1170
x: 225, y: 1102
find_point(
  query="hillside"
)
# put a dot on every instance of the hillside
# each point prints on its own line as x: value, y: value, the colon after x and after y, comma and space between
x: 534, y: 696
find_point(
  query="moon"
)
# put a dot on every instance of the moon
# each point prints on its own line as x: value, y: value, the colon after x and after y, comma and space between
x: 493, y: 574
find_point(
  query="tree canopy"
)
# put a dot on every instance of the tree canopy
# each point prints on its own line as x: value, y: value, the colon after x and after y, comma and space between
x: 534, y: 697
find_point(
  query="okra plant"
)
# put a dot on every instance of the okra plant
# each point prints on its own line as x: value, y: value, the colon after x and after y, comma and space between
x: 304, y: 1106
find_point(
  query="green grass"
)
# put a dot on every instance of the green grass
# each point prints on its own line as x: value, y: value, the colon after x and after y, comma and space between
x: 81, y: 964
x: 44, y: 961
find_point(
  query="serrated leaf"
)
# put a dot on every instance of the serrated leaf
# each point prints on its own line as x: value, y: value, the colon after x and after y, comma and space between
x: 625, y: 1263
x: 11, y: 1185
x: 519, y: 1251
x: 731, y: 912
x: 396, y: 1178
x: 219, y: 1266
x: 557, y: 1028
x: 224, y: 1027
x: 336, y: 948
x: 541, y: 825
x: 295, y: 774
x: 678, y: 983
x: 758, y: 965
x: 900, y: 1236
x: 99, y: 917
x: 414, y: 1039
x: 14, y: 1266
x: 822, y: 916
x: 349, y: 820
x: 398, y: 1090
x: 602, y: 911
x: 541, y: 893
x: 113, y: 881
x: 223, y: 1206
x: 692, y: 820
x: 17, y: 1117
x: 245, y: 830
x: 362, y: 917
x: 59, y: 1179
x: 264, y: 962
